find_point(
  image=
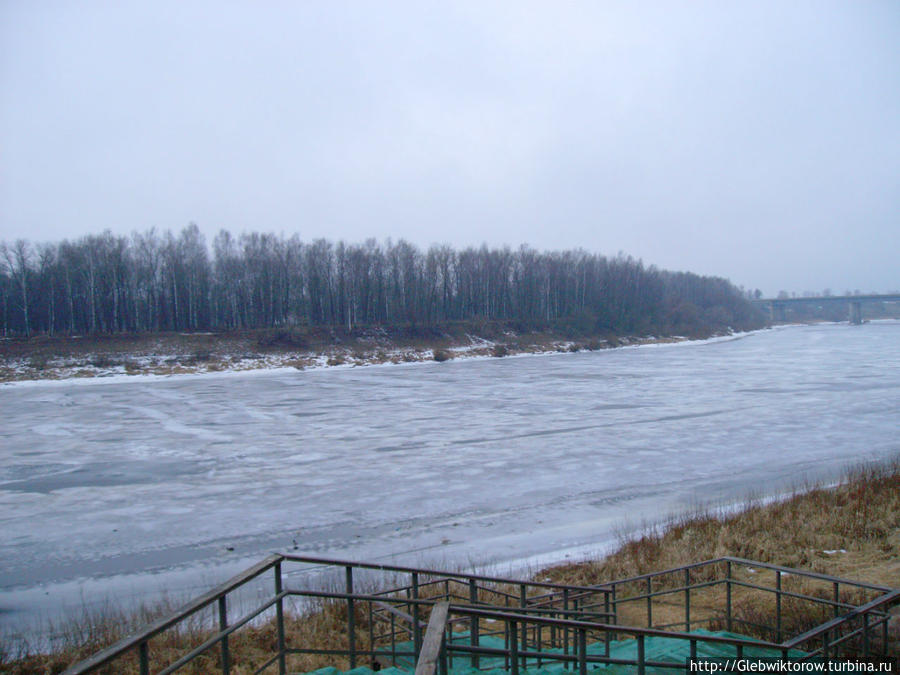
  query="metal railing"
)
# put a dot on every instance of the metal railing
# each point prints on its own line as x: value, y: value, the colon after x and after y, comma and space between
x: 539, y: 622
x: 793, y: 598
x: 402, y: 608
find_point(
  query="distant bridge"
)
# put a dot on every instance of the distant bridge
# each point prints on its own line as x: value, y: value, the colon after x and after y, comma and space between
x: 777, y: 306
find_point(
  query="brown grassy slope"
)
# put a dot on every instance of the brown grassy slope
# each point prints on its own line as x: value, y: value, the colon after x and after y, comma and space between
x: 862, y: 516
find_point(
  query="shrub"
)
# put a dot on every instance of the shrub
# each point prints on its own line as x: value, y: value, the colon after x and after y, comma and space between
x: 441, y: 355
x: 38, y: 362
x: 336, y: 360
x: 282, y: 337
x: 499, y: 351
x: 103, y: 361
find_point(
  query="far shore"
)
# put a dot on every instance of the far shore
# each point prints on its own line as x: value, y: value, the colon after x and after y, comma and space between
x: 135, y: 358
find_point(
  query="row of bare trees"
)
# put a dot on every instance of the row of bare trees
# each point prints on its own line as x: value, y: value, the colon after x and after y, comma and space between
x: 162, y: 281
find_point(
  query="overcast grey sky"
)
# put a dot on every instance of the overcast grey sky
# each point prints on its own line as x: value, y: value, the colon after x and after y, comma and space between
x: 754, y: 140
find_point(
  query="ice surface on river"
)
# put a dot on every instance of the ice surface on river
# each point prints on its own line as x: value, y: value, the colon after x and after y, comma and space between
x: 130, y: 486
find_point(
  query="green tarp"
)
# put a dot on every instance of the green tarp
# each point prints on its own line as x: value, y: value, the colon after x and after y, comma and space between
x: 670, y: 650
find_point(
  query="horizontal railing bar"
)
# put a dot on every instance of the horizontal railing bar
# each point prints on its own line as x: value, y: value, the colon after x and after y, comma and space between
x: 847, y: 636
x: 517, y: 615
x: 596, y: 627
x: 670, y: 591
x: 192, y: 607
x: 421, y: 585
x: 671, y: 570
x: 792, y: 594
x: 752, y: 563
x: 585, y: 591
x: 888, y: 598
x: 396, y: 612
x: 377, y: 600
x: 444, y: 573
x: 344, y: 652
x: 813, y: 575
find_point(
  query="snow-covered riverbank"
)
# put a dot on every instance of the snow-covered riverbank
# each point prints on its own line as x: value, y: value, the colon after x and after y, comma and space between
x: 124, y: 366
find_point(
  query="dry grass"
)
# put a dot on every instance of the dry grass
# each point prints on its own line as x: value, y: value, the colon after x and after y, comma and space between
x: 860, y: 516
x: 850, y: 531
x: 323, y: 627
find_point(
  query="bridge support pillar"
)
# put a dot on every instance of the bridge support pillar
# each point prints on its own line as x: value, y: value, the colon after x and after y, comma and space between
x: 777, y: 312
x: 855, y: 312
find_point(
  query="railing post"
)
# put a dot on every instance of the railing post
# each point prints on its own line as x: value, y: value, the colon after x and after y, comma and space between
x: 447, y: 656
x: 884, y: 635
x: 865, y: 634
x: 649, y: 602
x: 371, y: 628
x: 640, y: 655
x: 687, y: 600
x: 351, y: 618
x: 777, y: 605
x: 473, y: 622
x: 825, y: 645
x: 523, y: 602
x: 144, y: 658
x: 506, y: 645
x: 565, y: 629
x: 442, y: 659
x: 582, y: 652
x: 223, y: 625
x: 393, y: 640
x: 837, y: 599
x: 513, y: 648
x: 728, y: 622
x: 606, y: 619
x: 615, y: 611
x: 417, y: 630
x: 279, y: 618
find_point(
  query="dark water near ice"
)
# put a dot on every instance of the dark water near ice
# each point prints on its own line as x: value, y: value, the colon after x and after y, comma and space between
x: 123, y: 488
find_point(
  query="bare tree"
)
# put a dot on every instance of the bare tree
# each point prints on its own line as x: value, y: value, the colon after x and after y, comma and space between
x: 18, y: 263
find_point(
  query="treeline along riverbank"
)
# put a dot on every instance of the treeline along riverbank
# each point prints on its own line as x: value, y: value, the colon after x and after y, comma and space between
x: 153, y: 282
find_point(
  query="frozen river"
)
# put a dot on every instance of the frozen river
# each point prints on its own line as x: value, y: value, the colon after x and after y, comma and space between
x: 122, y: 488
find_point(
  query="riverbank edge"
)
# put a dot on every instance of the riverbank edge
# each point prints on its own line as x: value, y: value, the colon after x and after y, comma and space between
x: 211, y: 355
